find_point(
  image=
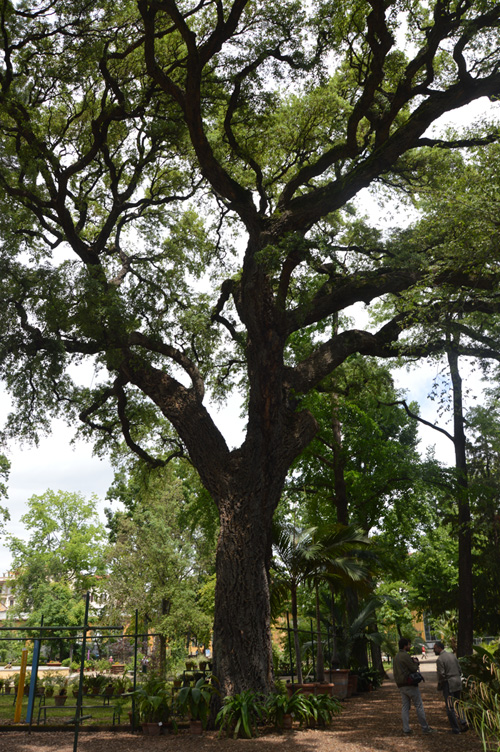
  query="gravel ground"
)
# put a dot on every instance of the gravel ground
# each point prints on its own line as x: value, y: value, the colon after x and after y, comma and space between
x: 370, y: 722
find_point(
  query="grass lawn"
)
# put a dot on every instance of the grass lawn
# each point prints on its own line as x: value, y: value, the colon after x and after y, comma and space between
x: 101, y: 714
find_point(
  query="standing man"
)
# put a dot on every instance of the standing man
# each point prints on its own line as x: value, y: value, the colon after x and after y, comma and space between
x: 449, y: 677
x: 403, y: 666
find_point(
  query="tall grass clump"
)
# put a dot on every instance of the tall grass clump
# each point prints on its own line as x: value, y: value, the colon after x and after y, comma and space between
x: 480, y: 702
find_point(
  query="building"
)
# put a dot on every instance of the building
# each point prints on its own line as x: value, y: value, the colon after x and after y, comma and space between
x: 6, y: 595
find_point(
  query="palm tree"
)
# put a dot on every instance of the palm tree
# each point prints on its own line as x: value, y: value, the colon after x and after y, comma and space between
x: 296, y: 554
x: 313, y: 555
x: 337, y: 566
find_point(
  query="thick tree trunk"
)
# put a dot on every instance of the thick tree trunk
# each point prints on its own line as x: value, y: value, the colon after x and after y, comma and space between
x: 246, y: 483
x: 242, y: 640
x: 465, y: 585
x: 359, y: 652
x: 376, y: 653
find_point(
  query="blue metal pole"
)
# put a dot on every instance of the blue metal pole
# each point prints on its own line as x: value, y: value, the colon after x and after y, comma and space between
x: 33, y: 680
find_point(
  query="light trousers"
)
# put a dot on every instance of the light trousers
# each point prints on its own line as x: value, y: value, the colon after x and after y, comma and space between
x: 411, y: 695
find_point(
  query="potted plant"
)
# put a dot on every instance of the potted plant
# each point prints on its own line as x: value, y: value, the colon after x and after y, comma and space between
x: 95, y: 683
x: 17, y: 677
x: 27, y: 680
x: 368, y: 678
x: 195, y: 701
x: 152, y: 705
x: 7, y: 686
x: 282, y: 708
x: 74, y: 683
x: 61, y: 692
x: 48, y: 684
x: 321, y: 709
x: 240, y: 714
x: 117, y: 668
x: 121, y: 684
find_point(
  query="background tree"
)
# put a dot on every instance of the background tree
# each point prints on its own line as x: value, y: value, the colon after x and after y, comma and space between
x: 154, y: 565
x: 270, y: 119
x: 4, y: 476
x: 483, y: 422
x: 62, y: 559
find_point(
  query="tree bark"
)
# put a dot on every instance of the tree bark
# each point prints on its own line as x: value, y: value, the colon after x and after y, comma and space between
x: 335, y: 658
x: 465, y: 584
x: 242, y: 643
x: 338, y: 467
x: 376, y: 654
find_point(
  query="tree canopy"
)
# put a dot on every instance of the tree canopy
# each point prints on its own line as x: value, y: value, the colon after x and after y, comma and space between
x: 176, y: 187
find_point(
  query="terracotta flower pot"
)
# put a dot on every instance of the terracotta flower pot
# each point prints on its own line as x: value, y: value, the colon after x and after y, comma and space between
x: 151, y: 729
x: 195, y: 727
x: 59, y: 700
x: 324, y: 689
x: 287, y: 721
x: 340, y: 677
x: 305, y: 689
x: 352, y: 685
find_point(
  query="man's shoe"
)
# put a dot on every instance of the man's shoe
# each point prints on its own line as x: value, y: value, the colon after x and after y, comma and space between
x: 429, y: 731
x: 408, y: 733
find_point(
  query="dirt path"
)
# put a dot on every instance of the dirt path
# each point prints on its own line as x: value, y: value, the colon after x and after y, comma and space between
x: 370, y: 722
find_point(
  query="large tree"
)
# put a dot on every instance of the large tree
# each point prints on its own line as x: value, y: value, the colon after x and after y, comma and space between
x: 117, y: 124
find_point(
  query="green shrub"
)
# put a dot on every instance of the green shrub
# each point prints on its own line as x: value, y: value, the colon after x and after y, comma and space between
x: 279, y: 704
x: 367, y: 677
x: 322, y: 708
x: 152, y: 701
x: 240, y: 714
x: 480, y: 703
x: 195, y: 700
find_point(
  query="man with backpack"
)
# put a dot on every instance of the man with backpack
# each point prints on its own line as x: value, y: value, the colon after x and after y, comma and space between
x: 403, y: 666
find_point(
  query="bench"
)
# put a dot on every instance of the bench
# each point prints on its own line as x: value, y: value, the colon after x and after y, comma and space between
x: 43, y: 709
